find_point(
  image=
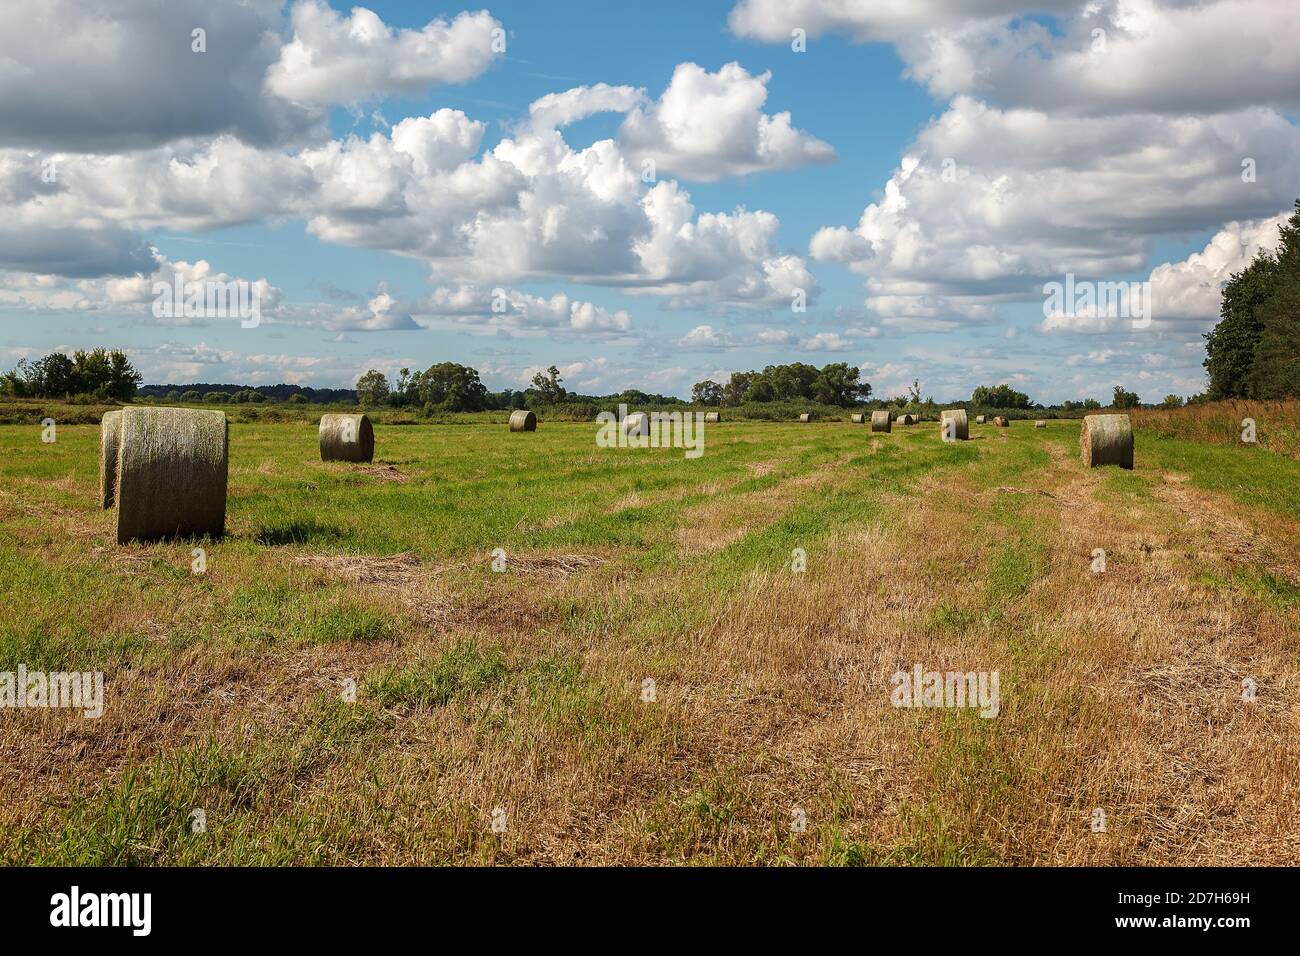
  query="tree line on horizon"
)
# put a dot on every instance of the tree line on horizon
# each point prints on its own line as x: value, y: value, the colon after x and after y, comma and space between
x: 102, y: 375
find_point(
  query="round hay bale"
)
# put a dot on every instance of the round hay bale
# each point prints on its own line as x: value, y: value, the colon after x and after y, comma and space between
x: 907, y: 419
x: 110, y: 427
x: 980, y: 419
x: 1106, y: 440
x: 1040, y: 424
x: 638, y: 423
x: 522, y: 420
x: 857, y: 418
x: 806, y: 417
x: 880, y: 421
x: 171, y: 473
x: 1002, y: 422
x: 953, y: 425
x: 346, y: 438
x: 712, y: 418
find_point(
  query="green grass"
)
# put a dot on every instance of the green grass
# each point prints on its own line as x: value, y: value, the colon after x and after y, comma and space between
x: 548, y: 689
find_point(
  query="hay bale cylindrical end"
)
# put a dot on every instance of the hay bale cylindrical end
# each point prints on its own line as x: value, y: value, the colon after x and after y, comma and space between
x: 638, y: 424
x: 522, y: 420
x: 806, y: 417
x: 980, y: 419
x: 880, y: 422
x: 712, y: 418
x: 857, y: 418
x: 1106, y: 440
x: 347, y: 438
x: 1002, y: 421
x: 172, y: 468
x: 1040, y: 424
x: 953, y: 425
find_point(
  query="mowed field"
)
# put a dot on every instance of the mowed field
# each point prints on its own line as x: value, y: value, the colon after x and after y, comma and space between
x: 523, y: 690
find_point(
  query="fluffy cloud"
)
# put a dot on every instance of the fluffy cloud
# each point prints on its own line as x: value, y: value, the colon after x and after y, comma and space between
x: 532, y: 207
x: 709, y: 126
x: 110, y: 75
x: 522, y: 313
x: 1098, y: 57
x: 988, y: 204
x: 1191, y: 289
x: 871, y: 20
x: 131, y: 295
x: 1122, y: 56
x: 336, y: 59
x: 1073, y: 142
x: 1187, y: 293
x: 122, y: 74
x: 707, y: 338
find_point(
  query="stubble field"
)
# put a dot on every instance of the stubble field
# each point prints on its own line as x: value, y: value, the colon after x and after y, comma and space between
x: 517, y: 697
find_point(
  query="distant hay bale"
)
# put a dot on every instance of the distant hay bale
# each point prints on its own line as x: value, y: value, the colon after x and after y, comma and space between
x: 806, y: 417
x: 712, y: 418
x: 171, y: 473
x: 980, y: 419
x: 857, y: 418
x: 907, y: 419
x: 953, y: 425
x: 1002, y: 422
x: 346, y: 438
x: 522, y: 420
x: 1106, y: 440
x: 1040, y: 424
x: 109, y: 429
x: 638, y: 423
x: 880, y: 421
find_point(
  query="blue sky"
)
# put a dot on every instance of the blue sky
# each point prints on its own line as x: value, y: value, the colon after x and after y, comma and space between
x: 1114, y: 163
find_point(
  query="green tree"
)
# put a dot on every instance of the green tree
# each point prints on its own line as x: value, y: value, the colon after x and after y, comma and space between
x: 1123, y: 399
x: 1275, y: 372
x: 1091, y: 404
x: 453, y: 387
x: 706, y: 393
x: 999, y: 396
x: 1254, y: 350
x: 1172, y: 401
x: 736, y: 391
x: 189, y: 396
x: 548, y: 386
x: 837, y: 384
x: 372, y: 389
x: 53, y: 376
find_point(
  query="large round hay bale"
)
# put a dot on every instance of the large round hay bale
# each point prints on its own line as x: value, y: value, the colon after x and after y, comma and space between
x: 712, y: 418
x: 1040, y: 424
x: 1106, y: 440
x: 907, y: 419
x: 980, y: 419
x: 857, y: 418
x: 109, y: 429
x: 638, y: 423
x: 1002, y: 421
x: 880, y: 421
x: 346, y: 438
x: 806, y: 417
x: 522, y: 420
x: 171, y: 473
x: 953, y: 425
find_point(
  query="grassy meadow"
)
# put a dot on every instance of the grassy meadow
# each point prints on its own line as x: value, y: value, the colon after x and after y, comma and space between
x: 522, y: 690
